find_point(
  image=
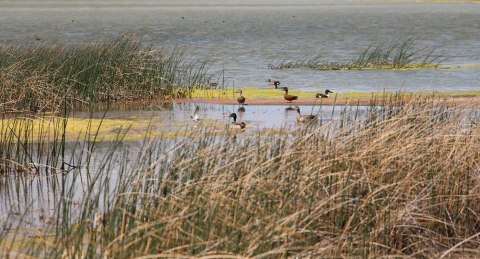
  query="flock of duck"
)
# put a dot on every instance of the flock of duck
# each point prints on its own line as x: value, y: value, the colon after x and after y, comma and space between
x: 241, y: 101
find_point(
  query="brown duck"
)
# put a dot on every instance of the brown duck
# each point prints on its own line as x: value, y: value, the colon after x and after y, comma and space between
x: 210, y: 85
x: 240, y: 98
x: 288, y: 97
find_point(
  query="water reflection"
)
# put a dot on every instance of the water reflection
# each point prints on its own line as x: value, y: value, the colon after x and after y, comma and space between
x: 44, y: 192
x: 175, y: 116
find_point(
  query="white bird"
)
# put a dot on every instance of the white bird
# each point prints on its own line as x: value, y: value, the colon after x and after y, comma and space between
x: 195, y: 114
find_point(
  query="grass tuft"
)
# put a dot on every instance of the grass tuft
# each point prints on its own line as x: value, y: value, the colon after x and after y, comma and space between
x: 396, y: 53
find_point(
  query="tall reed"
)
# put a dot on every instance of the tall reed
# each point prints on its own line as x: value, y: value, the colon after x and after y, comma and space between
x: 398, y: 178
x: 390, y: 53
x: 397, y: 53
x: 40, y: 77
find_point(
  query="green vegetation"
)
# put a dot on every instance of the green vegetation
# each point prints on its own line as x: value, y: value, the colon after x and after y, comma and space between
x: 249, y: 92
x: 398, y: 178
x: 262, y: 92
x: 396, y: 53
x: 44, y: 77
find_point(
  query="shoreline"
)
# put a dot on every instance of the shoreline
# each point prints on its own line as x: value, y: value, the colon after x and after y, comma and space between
x: 465, y: 100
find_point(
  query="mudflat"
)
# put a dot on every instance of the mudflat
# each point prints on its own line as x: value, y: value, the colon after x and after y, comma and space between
x: 460, y: 100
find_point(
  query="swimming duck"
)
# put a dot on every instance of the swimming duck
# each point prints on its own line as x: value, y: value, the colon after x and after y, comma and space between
x: 240, y: 99
x: 236, y: 125
x: 325, y: 95
x: 288, y: 97
x: 209, y: 85
x: 195, y: 114
x: 275, y: 83
x: 304, y: 118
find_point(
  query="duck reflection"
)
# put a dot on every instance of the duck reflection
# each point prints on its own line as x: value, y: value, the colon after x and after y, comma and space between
x: 289, y: 113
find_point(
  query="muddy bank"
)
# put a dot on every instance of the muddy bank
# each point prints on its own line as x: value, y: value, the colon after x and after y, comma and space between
x: 460, y: 100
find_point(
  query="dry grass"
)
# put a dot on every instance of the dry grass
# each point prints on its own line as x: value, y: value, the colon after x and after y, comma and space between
x: 399, y: 179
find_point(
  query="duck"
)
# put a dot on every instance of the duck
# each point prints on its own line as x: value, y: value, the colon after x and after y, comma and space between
x: 288, y: 97
x: 236, y: 125
x: 304, y: 118
x: 323, y: 95
x: 209, y: 85
x: 240, y: 98
x: 195, y: 114
x: 275, y: 83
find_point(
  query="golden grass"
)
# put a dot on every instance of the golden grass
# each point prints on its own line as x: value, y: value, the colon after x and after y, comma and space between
x: 399, y: 179
x: 403, y: 182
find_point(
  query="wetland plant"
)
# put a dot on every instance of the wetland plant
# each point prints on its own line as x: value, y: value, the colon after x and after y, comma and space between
x: 398, y: 178
x: 396, y: 53
x: 41, y: 77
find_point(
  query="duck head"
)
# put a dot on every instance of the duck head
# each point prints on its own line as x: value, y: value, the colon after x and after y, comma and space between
x: 234, y: 116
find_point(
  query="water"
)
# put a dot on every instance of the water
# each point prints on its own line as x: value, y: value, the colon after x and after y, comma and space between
x: 175, y: 116
x: 245, y: 36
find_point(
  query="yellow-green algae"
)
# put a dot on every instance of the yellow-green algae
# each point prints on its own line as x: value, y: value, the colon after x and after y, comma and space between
x: 264, y: 93
x: 251, y: 92
x: 46, y: 128
x: 468, y: 66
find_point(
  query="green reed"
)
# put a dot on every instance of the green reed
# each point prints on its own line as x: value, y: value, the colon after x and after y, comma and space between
x: 397, y: 178
x: 391, y: 53
x: 42, y: 77
x: 397, y: 53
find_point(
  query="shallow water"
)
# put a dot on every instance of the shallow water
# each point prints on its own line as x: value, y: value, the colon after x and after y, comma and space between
x: 176, y: 116
x: 245, y: 36
x: 173, y: 120
x: 33, y: 198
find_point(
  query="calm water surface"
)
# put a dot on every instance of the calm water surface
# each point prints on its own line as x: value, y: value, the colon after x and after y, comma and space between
x: 34, y: 199
x: 177, y: 114
x: 245, y: 36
